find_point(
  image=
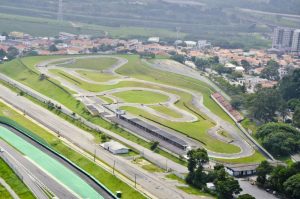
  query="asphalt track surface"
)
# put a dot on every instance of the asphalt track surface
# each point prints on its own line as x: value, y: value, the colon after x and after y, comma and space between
x: 59, y: 180
x: 237, y: 137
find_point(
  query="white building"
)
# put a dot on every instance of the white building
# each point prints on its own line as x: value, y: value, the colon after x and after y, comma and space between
x: 239, y: 69
x: 202, y: 44
x: 230, y: 65
x: 190, y: 44
x: 190, y: 64
x: 296, y: 41
x: 211, y: 186
x: 115, y: 147
x: 2, y: 38
x: 153, y: 39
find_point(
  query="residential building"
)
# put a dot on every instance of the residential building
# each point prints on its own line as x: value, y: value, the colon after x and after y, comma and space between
x: 202, y: 44
x: 240, y: 170
x: 296, y: 41
x: 190, y: 44
x: 153, y: 39
x: 282, y: 38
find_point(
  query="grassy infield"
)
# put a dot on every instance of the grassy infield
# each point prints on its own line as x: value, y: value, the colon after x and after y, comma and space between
x: 136, y: 69
x: 8, y: 175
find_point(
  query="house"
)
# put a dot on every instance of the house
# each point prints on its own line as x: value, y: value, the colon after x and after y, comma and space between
x: 115, y: 147
x: 190, y: 44
x: 211, y: 186
x: 190, y: 64
x: 153, y: 39
x: 239, y: 69
x: 240, y: 170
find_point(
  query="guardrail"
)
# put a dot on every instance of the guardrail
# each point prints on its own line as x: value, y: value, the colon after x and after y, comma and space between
x: 28, y: 134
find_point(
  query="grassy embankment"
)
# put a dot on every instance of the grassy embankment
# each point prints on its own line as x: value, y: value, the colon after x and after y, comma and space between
x: 93, y: 63
x: 187, y: 188
x: 4, y: 194
x: 141, y: 97
x: 109, y: 180
x: 165, y: 110
x: 8, y: 175
x: 95, y: 76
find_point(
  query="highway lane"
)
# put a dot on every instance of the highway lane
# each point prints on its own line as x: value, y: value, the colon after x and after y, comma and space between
x: 33, y: 176
x: 149, y: 181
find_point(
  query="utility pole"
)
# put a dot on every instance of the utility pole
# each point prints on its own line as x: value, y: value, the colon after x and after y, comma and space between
x: 114, y: 167
x: 60, y: 10
x: 135, y: 180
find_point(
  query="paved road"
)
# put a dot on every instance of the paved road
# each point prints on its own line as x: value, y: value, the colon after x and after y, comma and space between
x: 149, y: 181
x: 254, y: 190
x: 9, y: 189
x: 33, y: 176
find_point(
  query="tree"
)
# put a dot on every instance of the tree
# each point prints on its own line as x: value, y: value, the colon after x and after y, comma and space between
x: 226, y: 188
x: 178, y: 58
x: 270, y: 72
x: 296, y: 117
x: 279, y: 138
x: 246, y: 65
x: 2, y: 53
x: 292, y: 186
x: 154, y: 145
x: 262, y: 170
x: 264, y: 104
x: 196, y: 159
x: 289, y: 86
x: 12, y: 52
x: 53, y: 48
x: 201, y: 63
x: 246, y: 196
x: 237, y: 101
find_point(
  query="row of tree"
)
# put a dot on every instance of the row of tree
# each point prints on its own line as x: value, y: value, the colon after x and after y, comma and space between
x: 284, y: 180
x: 280, y: 139
x: 265, y: 104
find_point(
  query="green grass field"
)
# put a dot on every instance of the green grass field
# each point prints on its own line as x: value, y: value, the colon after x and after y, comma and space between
x: 4, y: 194
x: 99, y: 63
x: 255, y: 158
x: 167, y: 111
x: 109, y: 180
x: 186, y: 188
x: 8, y: 175
x: 142, y: 97
x: 95, y: 76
